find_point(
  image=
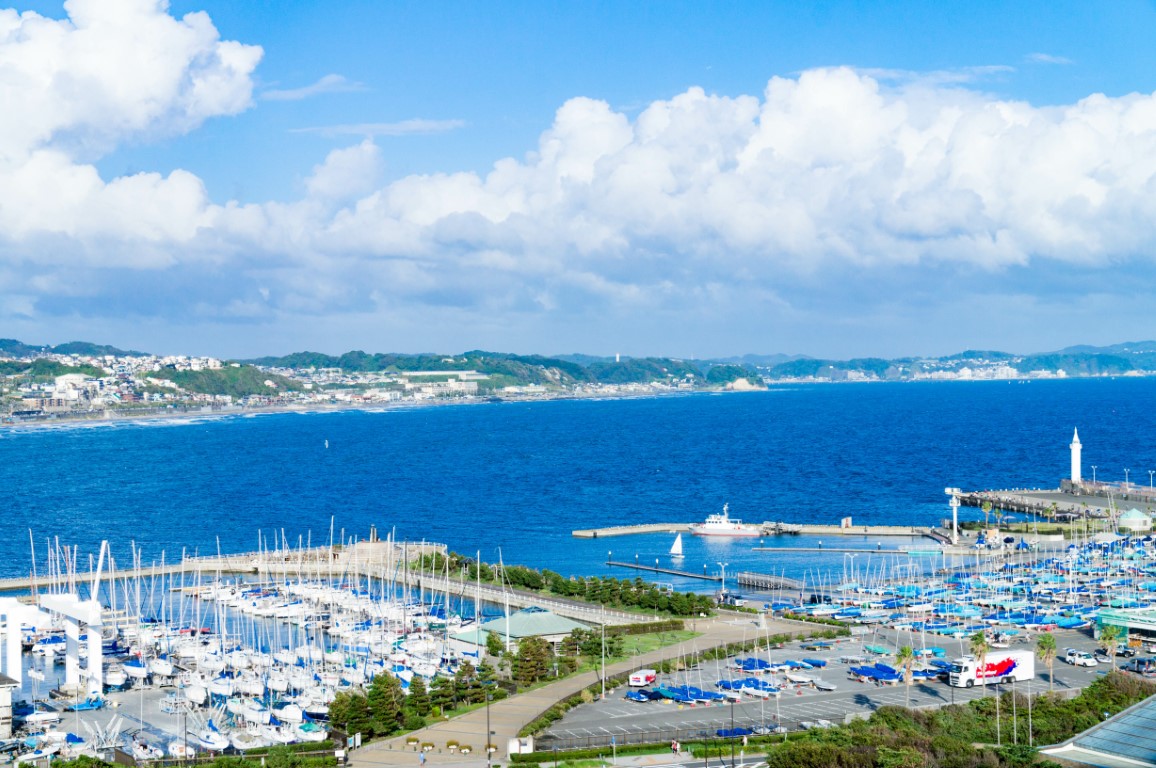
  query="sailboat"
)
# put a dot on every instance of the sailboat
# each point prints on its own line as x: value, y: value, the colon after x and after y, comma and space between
x: 676, y: 547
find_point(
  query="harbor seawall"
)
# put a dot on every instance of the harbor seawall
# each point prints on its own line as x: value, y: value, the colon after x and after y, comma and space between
x: 768, y: 529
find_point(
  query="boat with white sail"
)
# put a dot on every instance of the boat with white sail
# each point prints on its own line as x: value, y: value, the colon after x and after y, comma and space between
x: 676, y: 548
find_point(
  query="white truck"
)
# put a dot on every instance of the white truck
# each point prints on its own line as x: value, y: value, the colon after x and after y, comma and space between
x: 999, y: 666
x: 643, y: 677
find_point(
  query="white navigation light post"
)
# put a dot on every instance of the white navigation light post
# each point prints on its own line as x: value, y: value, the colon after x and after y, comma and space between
x: 954, y: 504
x: 1076, y: 447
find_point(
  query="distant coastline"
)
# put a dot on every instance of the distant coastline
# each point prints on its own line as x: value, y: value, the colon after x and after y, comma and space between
x: 111, y: 415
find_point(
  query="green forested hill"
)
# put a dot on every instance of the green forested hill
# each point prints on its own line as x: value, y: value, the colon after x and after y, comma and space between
x: 238, y: 382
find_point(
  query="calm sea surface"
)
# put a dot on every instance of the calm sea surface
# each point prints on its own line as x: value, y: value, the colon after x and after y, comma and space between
x: 515, y: 479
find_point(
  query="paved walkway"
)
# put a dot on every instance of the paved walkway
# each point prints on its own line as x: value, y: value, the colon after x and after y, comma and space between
x: 508, y: 716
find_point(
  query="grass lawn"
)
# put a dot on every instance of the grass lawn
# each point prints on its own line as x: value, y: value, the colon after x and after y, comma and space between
x: 634, y: 645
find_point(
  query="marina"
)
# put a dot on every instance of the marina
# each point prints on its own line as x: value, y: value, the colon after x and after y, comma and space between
x: 281, y: 628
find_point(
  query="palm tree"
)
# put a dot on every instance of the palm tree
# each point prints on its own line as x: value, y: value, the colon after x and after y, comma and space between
x: 986, y: 507
x: 1109, y: 635
x: 905, y: 658
x: 979, y: 647
x: 1046, y: 650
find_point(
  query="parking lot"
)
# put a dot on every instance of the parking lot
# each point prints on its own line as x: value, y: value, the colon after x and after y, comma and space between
x: 628, y: 722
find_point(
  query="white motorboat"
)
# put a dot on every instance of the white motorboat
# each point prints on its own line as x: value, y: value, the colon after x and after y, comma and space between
x: 249, y: 738
x: 722, y: 524
x: 311, y: 732
x: 289, y: 713
x: 144, y: 751
x: 42, y: 715
x: 210, y: 738
x: 256, y: 712
x: 161, y: 666
x: 45, y: 751
x: 181, y: 751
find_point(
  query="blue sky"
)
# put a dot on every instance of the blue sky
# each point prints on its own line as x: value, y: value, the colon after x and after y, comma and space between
x: 688, y: 179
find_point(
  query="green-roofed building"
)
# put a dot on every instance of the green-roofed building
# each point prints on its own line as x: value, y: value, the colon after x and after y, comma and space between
x: 1135, y: 520
x: 528, y: 622
x: 1127, y: 740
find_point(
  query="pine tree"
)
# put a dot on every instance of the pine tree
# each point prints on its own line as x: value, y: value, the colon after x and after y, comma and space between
x: 486, y: 674
x: 385, y: 703
x: 533, y: 660
x: 351, y: 712
x: 418, y: 699
x: 442, y: 693
x: 466, y: 684
x: 494, y: 644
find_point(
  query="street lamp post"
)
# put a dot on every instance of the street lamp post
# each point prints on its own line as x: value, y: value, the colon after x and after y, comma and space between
x: 732, y: 733
x: 1093, y: 474
x: 1150, y: 473
x: 488, y: 731
x: 845, y: 556
x: 724, y: 576
x: 1126, y: 471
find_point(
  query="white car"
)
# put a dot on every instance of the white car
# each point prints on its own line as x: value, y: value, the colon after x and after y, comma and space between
x: 1080, y: 658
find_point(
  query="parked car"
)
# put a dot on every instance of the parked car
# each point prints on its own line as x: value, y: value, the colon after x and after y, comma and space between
x: 1079, y: 658
x: 1142, y: 666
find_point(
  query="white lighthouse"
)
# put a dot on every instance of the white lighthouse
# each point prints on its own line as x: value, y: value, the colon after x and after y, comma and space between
x: 1075, y: 446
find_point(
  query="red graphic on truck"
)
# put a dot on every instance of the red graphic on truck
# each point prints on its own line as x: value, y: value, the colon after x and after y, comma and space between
x: 1001, y: 668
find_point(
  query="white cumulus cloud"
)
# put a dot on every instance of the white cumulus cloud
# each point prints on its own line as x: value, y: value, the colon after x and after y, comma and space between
x: 825, y: 180
x: 112, y: 70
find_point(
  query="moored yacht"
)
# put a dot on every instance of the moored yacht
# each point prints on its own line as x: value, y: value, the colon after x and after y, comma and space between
x: 722, y: 524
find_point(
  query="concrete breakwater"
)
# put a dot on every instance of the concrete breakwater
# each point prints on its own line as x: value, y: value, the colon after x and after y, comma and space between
x: 766, y: 529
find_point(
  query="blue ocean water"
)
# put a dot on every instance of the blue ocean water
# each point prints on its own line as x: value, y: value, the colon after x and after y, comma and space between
x: 516, y: 478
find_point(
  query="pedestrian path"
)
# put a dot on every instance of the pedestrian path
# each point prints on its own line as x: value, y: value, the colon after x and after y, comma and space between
x: 508, y: 716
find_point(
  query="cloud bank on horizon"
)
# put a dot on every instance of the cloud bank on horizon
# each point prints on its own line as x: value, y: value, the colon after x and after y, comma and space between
x: 782, y: 202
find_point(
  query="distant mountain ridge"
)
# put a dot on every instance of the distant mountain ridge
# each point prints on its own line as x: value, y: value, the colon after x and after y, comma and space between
x: 575, y: 368
x: 14, y: 348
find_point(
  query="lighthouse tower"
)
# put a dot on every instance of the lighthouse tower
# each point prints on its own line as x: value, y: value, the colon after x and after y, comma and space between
x: 1075, y: 446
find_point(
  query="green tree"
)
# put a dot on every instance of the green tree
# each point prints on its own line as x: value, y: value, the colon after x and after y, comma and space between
x: 1046, y: 651
x: 386, y: 699
x: 533, y: 660
x: 350, y: 710
x: 466, y: 685
x: 442, y: 694
x: 282, y: 757
x: 986, y: 507
x: 1109, y: 636
x: 487, y: 676
x: 494, y: 644
x: 905, y: 658
x: 979, y: 647
x: 418, y: 700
